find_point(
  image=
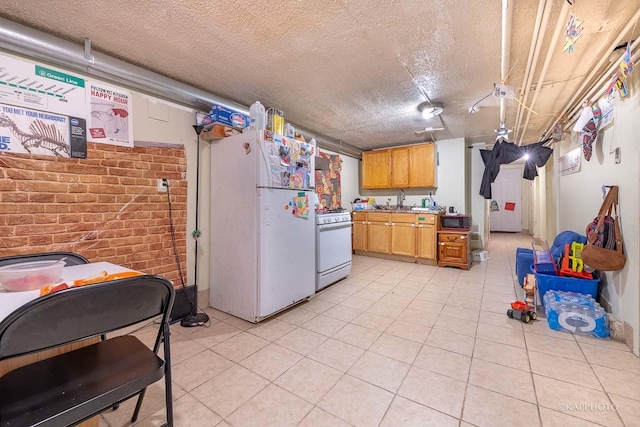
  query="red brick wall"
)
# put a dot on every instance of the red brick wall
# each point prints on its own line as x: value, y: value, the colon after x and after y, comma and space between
x: 105, y: 207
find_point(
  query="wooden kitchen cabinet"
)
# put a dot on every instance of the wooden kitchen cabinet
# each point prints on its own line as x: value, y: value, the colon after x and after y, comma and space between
x: 422, y: 168
x: 360, y: 231
x: 454, y: 249
x: 378, y: 227
x: 426, y: 236
x: 400, y: 167
x: 403, y: 234
x: 376, y: 169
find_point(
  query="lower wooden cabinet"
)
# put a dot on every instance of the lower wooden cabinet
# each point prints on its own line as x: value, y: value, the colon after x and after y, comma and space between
x: 406, y: 235
x: 377, y: 232
x: 359, y: 231
x: 403, y: 234
x: 454, y: 249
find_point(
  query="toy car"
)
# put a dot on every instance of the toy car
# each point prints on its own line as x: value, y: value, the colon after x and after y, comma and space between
x: 522, y: 311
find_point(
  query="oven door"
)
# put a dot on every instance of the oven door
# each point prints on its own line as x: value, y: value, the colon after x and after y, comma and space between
x: 334, y: 245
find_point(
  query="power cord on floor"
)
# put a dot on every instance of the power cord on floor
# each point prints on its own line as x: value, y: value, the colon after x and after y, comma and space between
x: 175, y: 246
x: 177, y: 257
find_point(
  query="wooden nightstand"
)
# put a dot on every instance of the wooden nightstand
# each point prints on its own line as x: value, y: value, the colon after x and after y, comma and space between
x: 454, y: 249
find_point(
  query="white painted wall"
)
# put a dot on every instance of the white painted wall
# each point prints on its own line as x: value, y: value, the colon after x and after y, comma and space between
x: 479, y: 211
x: 164, y: 122
x: 451, y: 181
x: 580, y: 197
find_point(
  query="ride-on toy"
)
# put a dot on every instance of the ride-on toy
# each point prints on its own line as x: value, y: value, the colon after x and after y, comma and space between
x: 525, y: 310
x: 522, y: 311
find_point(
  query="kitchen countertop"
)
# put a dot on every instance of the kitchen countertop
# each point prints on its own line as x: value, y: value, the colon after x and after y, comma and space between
x: 404, y: 210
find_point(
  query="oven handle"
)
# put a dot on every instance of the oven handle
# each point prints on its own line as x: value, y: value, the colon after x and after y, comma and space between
x: 334, y: 226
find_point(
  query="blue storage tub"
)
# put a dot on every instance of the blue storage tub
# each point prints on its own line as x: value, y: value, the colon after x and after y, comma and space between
x: 546, y: 282
x: 524, y: 259
x: 524, y: 256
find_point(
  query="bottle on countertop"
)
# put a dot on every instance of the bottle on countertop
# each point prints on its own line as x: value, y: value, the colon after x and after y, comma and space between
x: 257, y: 116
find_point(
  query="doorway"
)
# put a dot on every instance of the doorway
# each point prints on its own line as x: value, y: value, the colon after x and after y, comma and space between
x: 506, y: 205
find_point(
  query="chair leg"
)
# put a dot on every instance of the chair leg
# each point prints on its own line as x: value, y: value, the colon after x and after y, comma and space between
x: 167, y: 376
x: 134, y: 418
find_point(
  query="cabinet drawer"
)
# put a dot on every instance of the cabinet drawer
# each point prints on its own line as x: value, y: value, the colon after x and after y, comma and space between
x: 457, y: 238
x: 378, y: 216
x: 359, y: 216
x: 402, y: 217
x: 426, y: 219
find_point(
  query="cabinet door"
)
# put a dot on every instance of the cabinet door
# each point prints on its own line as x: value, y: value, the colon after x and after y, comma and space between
x: 453, y: 252
x: 403, y: 239
x: 376, y: 172
x: 422, y: 165
x: 400, y: 167
x: 359, y: 235
x: 426, y: 241
x: 378, y: 237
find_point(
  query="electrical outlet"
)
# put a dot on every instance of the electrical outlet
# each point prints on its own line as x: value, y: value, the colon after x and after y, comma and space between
x: 163, y: 184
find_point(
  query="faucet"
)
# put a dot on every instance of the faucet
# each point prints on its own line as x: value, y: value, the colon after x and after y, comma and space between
x: 400, y: 198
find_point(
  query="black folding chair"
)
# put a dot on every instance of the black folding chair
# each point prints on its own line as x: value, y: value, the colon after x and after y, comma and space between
x: 72, y: 387
x: 70, y: 258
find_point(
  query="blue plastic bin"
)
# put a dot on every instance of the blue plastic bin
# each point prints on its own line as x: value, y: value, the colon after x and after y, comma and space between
x: 524, y: 256
x: 546, y: 282
x: 524, y: 259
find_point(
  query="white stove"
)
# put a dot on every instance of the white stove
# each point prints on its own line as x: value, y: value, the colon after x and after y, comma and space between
x: 333, y: 247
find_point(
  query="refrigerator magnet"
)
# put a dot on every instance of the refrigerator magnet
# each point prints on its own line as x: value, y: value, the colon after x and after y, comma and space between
x: 247, y: 147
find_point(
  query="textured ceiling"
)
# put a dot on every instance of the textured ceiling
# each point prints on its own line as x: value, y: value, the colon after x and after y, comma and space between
x: 353, y: 70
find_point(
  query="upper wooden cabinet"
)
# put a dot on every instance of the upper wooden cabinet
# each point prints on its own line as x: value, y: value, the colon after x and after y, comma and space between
x: 376, y: 169
x: 403, y: 167
x: 422, y: 169
x: 400, y: 166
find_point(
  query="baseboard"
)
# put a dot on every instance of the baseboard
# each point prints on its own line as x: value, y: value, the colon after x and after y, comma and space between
x: 182, y: 303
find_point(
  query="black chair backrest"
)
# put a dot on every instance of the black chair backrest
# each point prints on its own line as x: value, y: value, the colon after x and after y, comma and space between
x: 81, y: 312
x: 70, y: 258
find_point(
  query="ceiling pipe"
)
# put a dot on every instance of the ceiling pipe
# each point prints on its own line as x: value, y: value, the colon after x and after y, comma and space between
x: 505, y: 58
x: 560, y: 24
x: 27, y: 41
x: 532, y: 60
x: 578, y: 97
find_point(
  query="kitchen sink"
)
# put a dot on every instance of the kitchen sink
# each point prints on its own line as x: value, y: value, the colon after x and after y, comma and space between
x: 428, y: 210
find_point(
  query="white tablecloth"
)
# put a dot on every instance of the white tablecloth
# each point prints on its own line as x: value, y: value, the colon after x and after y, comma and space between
x: 9, y: 301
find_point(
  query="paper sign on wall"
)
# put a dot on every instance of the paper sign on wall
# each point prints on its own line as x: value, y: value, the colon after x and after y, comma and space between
x: 570, y: 162
x: 23, y: 130
x: 109, y: 118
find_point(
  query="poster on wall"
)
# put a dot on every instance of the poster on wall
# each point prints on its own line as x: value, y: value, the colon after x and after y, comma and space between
x: 570, y: 162
x: 109, y: 119
x: 23, y: 130
x: 29, y: 85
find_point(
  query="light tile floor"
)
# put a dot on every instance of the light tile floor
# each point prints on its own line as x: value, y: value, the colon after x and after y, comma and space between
x: 397, y: 344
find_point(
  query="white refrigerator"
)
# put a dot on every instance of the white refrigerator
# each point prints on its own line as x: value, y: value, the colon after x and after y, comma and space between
x: 262, y: 257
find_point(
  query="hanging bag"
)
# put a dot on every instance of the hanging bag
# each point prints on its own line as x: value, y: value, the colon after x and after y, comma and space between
x: 604, y: 238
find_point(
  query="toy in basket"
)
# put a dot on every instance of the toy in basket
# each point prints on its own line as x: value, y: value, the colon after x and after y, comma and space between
x: 543, y: 261
x: 525, y: 310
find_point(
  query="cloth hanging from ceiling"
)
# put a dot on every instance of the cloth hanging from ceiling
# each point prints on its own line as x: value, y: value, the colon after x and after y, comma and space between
x: 507, y: 152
